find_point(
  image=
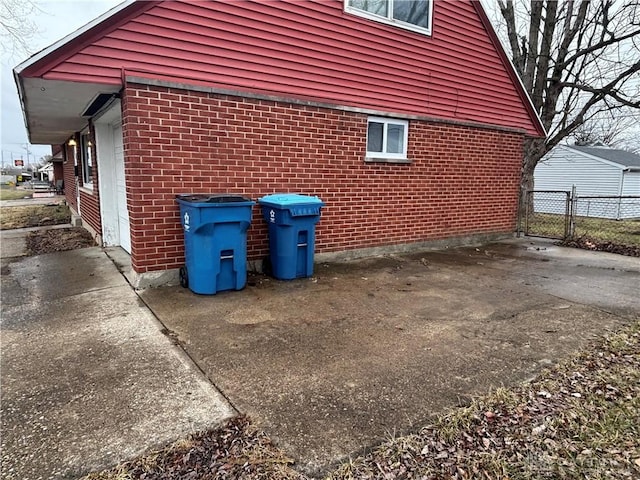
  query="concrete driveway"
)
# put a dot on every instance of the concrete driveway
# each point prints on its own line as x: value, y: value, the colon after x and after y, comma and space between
x: 334, y: 364
x: 88, y: 377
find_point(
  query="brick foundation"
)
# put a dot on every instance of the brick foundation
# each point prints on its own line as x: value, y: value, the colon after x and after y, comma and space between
x: 462, y: 181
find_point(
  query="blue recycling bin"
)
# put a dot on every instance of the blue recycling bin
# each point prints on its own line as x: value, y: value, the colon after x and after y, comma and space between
x: 215, y: 242
x: 291, y: 219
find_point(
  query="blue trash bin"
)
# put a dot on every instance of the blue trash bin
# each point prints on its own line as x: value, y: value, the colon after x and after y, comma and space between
x: 291, y: 220
x: 215, y: 242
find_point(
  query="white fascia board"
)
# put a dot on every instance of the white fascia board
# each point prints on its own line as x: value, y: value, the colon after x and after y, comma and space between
x: 60, y: 43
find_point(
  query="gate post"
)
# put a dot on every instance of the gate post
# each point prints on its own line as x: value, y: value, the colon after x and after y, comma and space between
x: 525, y: 197
x: 571, y: 212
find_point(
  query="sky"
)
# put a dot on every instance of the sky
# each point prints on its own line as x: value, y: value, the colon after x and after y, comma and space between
x: 54, y: 20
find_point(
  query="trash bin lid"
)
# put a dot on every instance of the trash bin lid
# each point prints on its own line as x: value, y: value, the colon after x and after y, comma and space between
x: 212, y: 198
x: 284, y: 200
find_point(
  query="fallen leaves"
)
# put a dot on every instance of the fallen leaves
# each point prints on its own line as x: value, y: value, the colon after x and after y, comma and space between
x: 611, y: 247
x: 578, y: 420
x: 233, y: 451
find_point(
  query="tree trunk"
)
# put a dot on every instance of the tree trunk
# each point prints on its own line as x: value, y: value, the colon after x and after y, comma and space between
x: 534, y: 150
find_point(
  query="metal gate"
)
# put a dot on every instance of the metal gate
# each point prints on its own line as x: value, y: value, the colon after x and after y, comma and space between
x: 546, y: 213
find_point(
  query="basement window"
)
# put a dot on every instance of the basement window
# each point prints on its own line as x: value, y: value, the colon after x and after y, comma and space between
x: 408, y: 14
x: 387, y: 139
x: 86, y: 160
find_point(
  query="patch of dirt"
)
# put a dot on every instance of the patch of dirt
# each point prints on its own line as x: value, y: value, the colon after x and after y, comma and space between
x: 58, y: 240
x: 588, y: 244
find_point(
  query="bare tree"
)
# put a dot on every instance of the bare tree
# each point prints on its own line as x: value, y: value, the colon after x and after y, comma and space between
x: 612, y: 130
x: 576, y: 59
x: 17, y: 27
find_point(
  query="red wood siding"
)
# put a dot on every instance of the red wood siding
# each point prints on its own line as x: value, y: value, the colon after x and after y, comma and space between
x: 313, y: 50
x: 463, y: 180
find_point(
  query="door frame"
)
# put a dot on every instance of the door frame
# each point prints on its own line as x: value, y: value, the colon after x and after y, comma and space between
x: 107, y: 178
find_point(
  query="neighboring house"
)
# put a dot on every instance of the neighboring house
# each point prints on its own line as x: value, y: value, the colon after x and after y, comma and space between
x: 408, y: 122
x: 593, y: 171
x: 45, y: 172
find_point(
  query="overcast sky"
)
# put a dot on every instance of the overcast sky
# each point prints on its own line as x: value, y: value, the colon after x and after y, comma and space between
x: 55, y: 20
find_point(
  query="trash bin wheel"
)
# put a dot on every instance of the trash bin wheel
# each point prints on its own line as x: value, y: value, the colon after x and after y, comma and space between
x: 184, y: 279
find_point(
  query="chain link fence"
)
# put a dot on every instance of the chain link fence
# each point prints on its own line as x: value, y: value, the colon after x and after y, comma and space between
x: 547, y: 213
x: 606, y: 219
x: 587, y: 221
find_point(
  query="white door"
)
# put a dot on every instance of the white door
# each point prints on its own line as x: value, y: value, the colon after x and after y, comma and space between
x: 121, y: 190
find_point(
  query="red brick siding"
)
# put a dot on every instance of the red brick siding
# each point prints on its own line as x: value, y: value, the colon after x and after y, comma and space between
x: 462, y: 180
x: 89, y: 202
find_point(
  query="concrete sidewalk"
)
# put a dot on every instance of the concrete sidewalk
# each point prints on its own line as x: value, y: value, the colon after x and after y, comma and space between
x: 88, y: 378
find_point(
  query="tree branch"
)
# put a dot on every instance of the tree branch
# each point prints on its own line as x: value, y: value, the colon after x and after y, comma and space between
x: 508, y: 13
x: 599, y: 46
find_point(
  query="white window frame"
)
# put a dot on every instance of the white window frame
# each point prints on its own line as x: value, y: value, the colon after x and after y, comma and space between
x: 386, y: 121
x: 86, y: 146
x: 389, y: 20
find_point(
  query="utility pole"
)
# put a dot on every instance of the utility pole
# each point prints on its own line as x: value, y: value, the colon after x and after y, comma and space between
x: 26, y: 147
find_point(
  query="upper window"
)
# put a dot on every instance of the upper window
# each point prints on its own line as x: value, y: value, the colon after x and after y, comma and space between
x: 387, y: 138
x: 86, y: 160
x: 409, y: 14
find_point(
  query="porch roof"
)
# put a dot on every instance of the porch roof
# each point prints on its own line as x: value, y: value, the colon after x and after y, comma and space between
x: 54, y: 109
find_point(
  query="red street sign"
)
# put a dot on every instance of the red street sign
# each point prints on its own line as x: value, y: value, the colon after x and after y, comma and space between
x: 18, y: 163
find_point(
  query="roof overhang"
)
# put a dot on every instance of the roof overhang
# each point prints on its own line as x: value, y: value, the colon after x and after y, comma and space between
x: 53, y: 110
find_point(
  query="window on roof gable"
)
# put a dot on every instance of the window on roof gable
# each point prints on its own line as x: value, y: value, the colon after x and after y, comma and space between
x: 410, y: 14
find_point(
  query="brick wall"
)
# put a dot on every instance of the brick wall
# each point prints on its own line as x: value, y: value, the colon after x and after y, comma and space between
x: 58, y: 172
x: 89, y: 199
x: 462, y: 181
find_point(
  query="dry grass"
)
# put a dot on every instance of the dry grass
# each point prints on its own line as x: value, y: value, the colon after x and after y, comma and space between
x: 14, y: 194
x: 624, y: 232
x: 33, y: 216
